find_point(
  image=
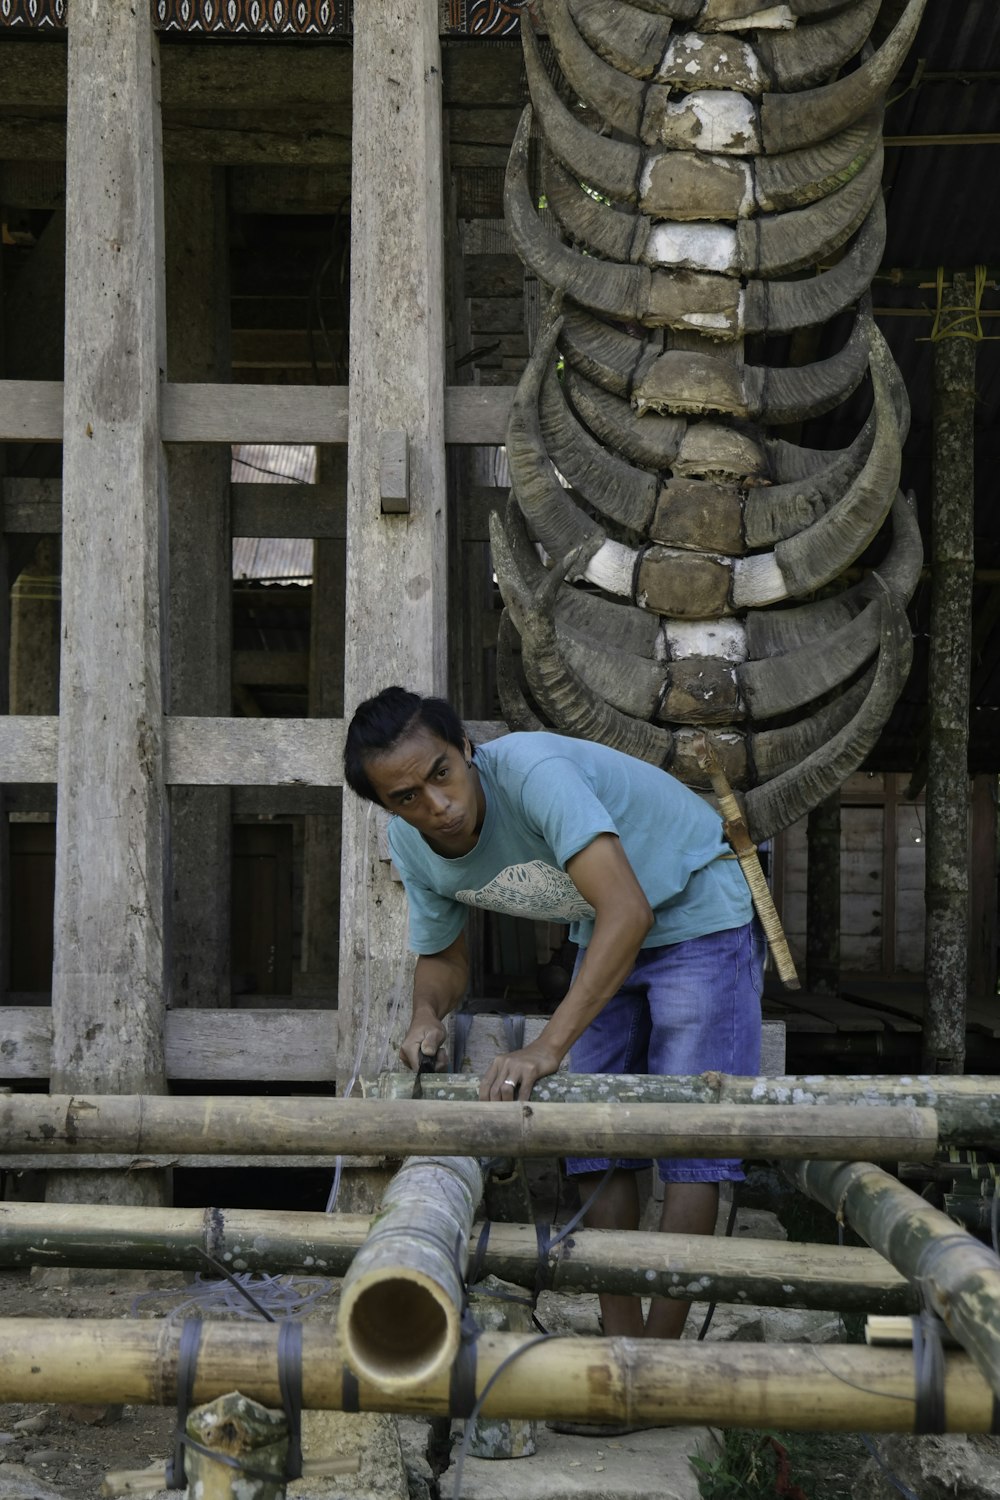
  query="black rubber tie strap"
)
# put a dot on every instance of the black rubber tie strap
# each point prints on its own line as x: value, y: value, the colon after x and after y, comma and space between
x: 187, y: 1362
x: 543, y: 1271
x: 462, y: 1389
x: 290, y: 1386
x: 928, y: 1371
x: 351, y: 1396
x: 479, y: 1255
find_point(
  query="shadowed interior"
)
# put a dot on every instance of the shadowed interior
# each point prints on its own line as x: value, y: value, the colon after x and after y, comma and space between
x: 398, y: 1330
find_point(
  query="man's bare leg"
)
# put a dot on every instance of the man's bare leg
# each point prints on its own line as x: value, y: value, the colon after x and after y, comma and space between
x: 688, y: 1208
x: 616, y: 1207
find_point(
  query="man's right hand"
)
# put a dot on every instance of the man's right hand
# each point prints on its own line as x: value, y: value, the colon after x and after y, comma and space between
x: 425, y: 1040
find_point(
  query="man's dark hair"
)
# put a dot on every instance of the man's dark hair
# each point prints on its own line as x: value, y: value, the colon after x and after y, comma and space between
x: 381, y: 722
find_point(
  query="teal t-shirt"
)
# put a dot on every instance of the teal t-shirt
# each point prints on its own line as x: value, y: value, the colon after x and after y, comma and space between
x: 548, y: 797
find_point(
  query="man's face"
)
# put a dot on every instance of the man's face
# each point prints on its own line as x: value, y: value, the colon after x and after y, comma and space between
x: 427, y: 782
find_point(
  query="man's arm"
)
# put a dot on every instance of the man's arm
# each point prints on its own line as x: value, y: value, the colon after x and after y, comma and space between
x: 603, y: 876
x: 439, y: 983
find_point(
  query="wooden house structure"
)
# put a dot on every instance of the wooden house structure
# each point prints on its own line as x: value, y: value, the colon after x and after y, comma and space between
x: 201, y: 200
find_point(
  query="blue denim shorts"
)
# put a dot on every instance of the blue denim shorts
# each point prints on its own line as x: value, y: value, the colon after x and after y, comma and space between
x: 688, y: 1007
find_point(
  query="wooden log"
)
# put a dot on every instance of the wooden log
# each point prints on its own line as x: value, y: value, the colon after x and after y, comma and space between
x: 946, y: 939
x: 957, y: 1275
x: 770, y: 1273
x: 400, y: 1311
x: 109, y: 978
x: 843, y: 1387
x: 201, y: 605
x: 148, y: 1123
x: 396, y: 573
x: 968, y: 1107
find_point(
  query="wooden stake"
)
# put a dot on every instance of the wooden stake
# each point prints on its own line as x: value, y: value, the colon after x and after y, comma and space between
x: 241, y: 1430
x: 843, y: 1387
x: 44, y: 1124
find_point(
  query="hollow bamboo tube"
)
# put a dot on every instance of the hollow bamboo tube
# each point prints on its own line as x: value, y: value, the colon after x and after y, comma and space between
x: 845, y: 1387
x: 968, y: 1107
x: 770, y: 1273
x: 138, y: 1123
x: 400, y: 1311
x: 959, y: 1276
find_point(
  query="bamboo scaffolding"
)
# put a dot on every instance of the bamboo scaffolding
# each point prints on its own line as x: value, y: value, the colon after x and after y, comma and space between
x: 769, y: 1273
x: 967, y: 1106
x: 400, y: 1312
x: 958, y: 1276
x: 46, y: 1124
x: 844, y: 1387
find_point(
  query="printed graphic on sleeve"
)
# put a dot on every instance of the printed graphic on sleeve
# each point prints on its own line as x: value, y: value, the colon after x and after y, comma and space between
x: 533, y: 890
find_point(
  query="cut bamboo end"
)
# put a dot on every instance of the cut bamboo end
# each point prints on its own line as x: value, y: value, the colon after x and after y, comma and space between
x: 398, y: 1329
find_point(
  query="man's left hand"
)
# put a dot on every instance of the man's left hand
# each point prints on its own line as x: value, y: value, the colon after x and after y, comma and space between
x: 512, y: 1075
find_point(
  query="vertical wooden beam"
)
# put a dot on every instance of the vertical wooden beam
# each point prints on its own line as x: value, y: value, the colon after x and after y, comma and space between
x: 201, y: 606
x: 983, y: 918
x: 823, y: 897
x: 396, y: 564
x: 109, y: 976
x: 5, y: 583
x: 322, y: 834
x: 946, y: 952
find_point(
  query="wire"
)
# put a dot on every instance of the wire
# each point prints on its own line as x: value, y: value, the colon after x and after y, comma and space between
x: 473, y: 1416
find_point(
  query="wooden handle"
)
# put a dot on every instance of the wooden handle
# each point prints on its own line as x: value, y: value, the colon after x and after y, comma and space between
x: 738, y: 837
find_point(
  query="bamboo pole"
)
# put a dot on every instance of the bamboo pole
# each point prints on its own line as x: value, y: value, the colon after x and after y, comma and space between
x: 843, y: 1387
x: 968, y: 1107
x: 400, y: 1312
x: 45, y: 1124
x: 768, y: 1273
x: 958, y: 1276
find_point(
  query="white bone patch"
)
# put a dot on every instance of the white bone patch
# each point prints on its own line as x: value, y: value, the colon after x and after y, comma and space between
x: 715, y: 120
x: 612, y: 568
x: 701, y: 247
x: 725, y: 639
x: 757, y: 580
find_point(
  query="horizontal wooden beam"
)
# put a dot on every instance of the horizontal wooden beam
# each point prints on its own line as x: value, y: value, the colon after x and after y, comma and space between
x: 271, y: 668
x: 34, y: 507
x: 269, y: 1046
x: 31, y: 411
x: 211, y: 752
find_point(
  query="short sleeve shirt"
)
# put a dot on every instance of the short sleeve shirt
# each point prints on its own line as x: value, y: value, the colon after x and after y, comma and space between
x: 547, y: 797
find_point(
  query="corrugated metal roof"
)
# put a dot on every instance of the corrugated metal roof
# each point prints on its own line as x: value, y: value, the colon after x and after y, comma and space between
x: 286, y: 558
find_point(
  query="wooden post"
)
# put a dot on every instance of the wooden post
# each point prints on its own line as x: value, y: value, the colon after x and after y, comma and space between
x: 109, y: 971
x: 197, y: 282
x: 823, y: 898
x: 396, y: 563
x: 251, y: 1437
x: 321, y: 852
x: 946, y: 947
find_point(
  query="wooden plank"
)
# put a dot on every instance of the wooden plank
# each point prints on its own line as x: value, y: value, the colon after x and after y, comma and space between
x: 109, y: 978
x: 267, y: 1046
x: 31, y: 411
x: 253, y: 802
x: 290, y: 510
x: 195, y: 413
x: 33, y: 506
x: 396, y: 599
x: 29, y: 747
x: 253, y: 752
x: 293, y: 753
